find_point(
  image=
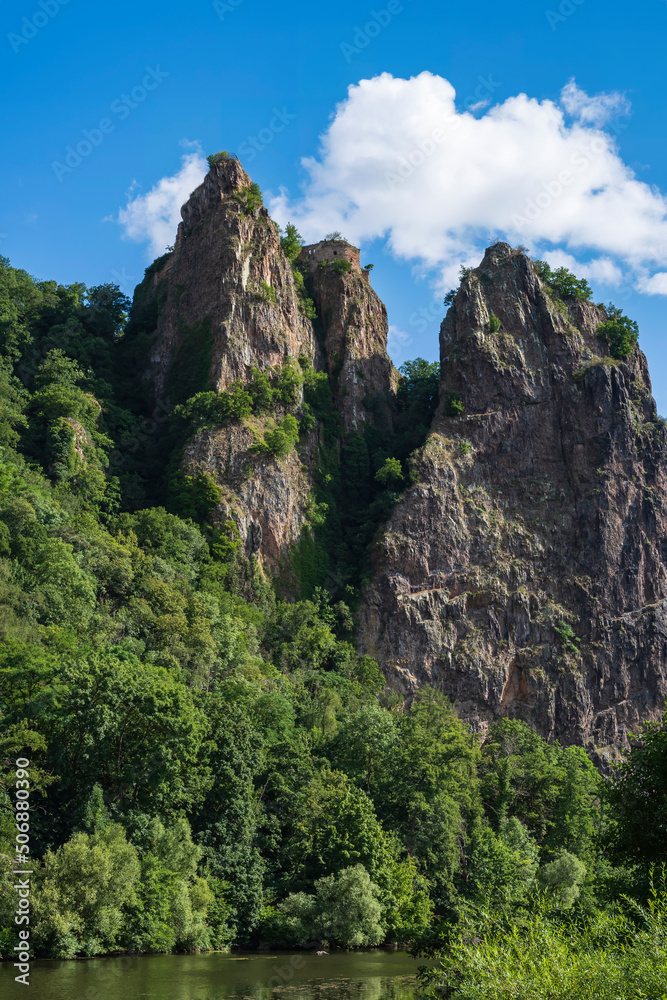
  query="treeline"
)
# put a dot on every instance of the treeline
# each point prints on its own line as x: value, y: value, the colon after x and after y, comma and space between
x: 213, y: 763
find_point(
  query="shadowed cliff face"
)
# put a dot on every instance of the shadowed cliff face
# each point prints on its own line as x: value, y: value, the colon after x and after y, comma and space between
x: 355, y: 329
x: 226, y: 293
x: 537, y: 511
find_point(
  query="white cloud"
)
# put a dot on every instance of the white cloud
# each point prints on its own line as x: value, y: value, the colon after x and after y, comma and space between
x: 655, y: 285
x: 400, y: 162
x: 398, y: 342
x: 600, y: 269
x: 598, y: 110
x: 154, y: 217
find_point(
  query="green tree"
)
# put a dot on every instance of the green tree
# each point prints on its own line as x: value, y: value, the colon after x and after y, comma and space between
x: 563, y: 877
x: 260, y: 389
x: 349, y: 909
x: 172, y: 900
x: 281, y: 441
x: 81, y: 892
x: 563, y: 282
x: 619, y: 333
x: 291, y: 242
x: 389, y: 472
x: 418, y: 388
x: 639, y: 795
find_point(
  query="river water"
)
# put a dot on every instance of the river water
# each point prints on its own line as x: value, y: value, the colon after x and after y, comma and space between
x: 376, y: 975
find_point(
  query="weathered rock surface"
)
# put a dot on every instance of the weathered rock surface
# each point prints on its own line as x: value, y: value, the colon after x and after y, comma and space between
x: 226, y: 293
x: 354, y: 329
x: 541, y: 507
x: 266, y: 498
x: 224, y: 301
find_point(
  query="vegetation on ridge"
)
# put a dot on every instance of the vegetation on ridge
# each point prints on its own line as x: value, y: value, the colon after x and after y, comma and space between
x: 213, y: 764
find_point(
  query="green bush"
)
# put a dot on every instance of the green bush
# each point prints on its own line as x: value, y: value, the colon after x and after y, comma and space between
x: 345, y: 911
x: 214, y: 158
x: 454, y: 406
x: 281, y: 440
x: 287, y: 382
x: 389, y: 472
x: 619, y: 333
x: 563, y: 877
x: 563, y: 282
x: 267, y: 292
x: 250, y: 199
x: 291, y: 243
x: 341, y: 266
x: 567, y: 637
x: 194, y: 496
x: 210, y: 408
x: 261, y: 390
x: 495, y: 323
x: 496, y: 954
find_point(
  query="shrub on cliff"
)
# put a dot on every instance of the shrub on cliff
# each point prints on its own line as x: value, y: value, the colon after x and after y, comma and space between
x: 287, y: 382
x: 281, y: 440
x: 261, y: 390
x: 619, y: 332
x: 291, y: 243
x: 454, y: 406
x: 193, y: 496
x: 389, y: 472
x: 341, y: 266
x: 563, y: 282
x: 215, y: 158
x: 207, y: 408
x: 249, y: 198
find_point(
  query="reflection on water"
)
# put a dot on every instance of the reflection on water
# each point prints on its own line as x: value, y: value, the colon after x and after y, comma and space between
x: 344, y: 976
x: 399, y: 988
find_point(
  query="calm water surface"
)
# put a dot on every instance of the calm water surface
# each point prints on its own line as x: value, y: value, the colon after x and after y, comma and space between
x: 376, y: 975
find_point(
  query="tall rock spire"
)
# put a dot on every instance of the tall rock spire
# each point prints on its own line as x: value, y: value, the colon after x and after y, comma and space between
x: 526, y: 570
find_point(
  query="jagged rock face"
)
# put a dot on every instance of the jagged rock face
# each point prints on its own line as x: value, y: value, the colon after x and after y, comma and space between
x: 226, y: 301
x: 265, y: 497
x: 354, y: 327
x: 541, y: 507
x: 226, y: 293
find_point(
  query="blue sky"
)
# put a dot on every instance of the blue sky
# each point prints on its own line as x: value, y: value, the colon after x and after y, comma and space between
x: 221, y: 73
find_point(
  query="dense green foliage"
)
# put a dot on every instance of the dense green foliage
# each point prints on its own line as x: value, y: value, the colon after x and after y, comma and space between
x: 619, y: 333
x: 214, y: 158
x: 213, y: 763
x: 532, y: 955
x: 562, y: 282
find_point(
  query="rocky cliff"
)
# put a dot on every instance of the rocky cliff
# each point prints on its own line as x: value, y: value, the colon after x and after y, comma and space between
x: 354, y: 331
x: 525, y: 571
x: 225, y: 302
x: 227, y: 297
